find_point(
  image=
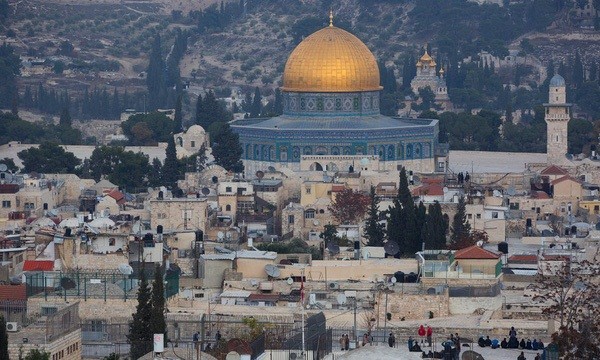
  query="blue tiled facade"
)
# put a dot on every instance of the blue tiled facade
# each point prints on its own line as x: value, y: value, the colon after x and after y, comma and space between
x: 335, y: 124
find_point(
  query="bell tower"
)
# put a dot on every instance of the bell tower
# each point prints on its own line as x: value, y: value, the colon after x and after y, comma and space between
x: 557, y: 116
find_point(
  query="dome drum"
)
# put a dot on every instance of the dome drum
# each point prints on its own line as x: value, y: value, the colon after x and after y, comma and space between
x: 331, y: 104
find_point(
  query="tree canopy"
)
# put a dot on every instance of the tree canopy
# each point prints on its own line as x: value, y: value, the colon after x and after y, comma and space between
x: 48, y: 158
x: 148, y: 129
x: 349, y: 206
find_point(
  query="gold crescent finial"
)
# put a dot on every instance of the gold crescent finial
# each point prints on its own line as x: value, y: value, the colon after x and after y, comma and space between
x: 330, y: 17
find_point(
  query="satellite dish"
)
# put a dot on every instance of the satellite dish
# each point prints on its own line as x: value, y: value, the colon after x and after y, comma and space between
x: 394, y: 280
x: 3, y: 167
x: 333, y: 248
x: 511, y: 191
x: 125, y: 269
x: 341, y: 299
x: 260, y: 175
x: 228, y: 235
x: 272, y: 270
x: 480, y: 243
x: 289, y: 281
x: 391, y: 248
x: 205, y: 191
x: 220, y: 235
x: 445, y: 189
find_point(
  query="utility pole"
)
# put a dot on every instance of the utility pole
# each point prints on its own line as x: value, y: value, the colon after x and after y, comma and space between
x: 354, y: 329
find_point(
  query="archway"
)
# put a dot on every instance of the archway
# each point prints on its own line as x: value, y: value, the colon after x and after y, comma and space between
x: 316, y: 167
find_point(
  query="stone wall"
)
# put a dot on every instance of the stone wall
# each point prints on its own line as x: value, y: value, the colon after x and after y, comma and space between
x: 468, y: 305
x: 67, y: 347
x: 413, y: 307
x: 111, y: 310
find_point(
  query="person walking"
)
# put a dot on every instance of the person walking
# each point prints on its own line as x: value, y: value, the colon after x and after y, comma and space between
x: 391, y: 340
x: 342, y: 342
x: 347, y: 342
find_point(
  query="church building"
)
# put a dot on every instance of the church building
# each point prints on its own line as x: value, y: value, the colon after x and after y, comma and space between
x: 427, y: 77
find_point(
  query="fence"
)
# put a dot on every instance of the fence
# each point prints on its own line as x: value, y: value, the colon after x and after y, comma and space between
x: 89, y: 284
x: 474, y: 291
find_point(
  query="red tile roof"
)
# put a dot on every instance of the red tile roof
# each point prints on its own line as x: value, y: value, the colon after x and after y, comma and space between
x: 565, y: 178
x: 475, y: 252
x: 539, y: 195
x: 38, y: 265
x: 338, y: 188
x: 433, y: 189
x: 523, y: 259
x: 554, y: 170
x: 118, y: 196
x: 13, y: 292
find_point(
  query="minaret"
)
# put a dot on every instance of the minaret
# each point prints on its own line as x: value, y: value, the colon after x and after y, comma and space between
x: 557, y: 118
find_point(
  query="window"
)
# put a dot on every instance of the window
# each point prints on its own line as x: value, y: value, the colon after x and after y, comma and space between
x: 111, y: 242
x: 6, y: 203
x: 494, y: 214
x: 193, y: 143
x: 478, y: 216
x: 47, y: 310
x: 29, y: 206
x: 228, y: 189
x: 199, y: 295
x: 290, y: 219
x: 309, y: 214
x: 469, y: 216
x: 227, y: 207
x: 308, y: 190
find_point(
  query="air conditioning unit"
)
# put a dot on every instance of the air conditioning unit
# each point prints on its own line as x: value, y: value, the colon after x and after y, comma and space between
x: 12, y: 327
x: 333, y: 286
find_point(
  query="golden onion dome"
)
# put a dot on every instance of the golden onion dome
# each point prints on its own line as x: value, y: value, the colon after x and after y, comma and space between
x: 426, y: 58
x: 331, y: 60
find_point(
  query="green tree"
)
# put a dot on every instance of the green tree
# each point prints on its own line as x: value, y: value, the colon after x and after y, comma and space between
x: 140, y: 328
x: 65, y: 118
x: 226, y: 149
x: 256, y: 108
x: 148, y: 129
x: 209, y: 111
x: 178, y: 121
x: 461, y: 229
x: 156, y: 76
x: 374, y: 229
x: 37, y: 354
x: 171, y: 170
x: 158, y: 323
x: 10, y: 65
x: 112, y: 356
x: 124, y: 168
x: 439, y: 227
x: 48, y: 158
x: 402, y: 222
x: 3, y: 339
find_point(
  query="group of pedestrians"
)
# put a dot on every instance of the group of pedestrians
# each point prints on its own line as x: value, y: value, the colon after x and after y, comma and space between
x: 344, y: 342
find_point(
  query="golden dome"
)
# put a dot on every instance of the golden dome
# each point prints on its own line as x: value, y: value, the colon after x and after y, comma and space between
x: 331, y: 60
x: 426, y: 58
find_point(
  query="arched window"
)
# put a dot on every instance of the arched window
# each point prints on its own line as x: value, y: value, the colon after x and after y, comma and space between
x: 307, y: 150
x: 309, y: 214
x: 227, y: 207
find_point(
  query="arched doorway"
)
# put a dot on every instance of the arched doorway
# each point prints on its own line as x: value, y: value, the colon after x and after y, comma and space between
x: 316, y: 167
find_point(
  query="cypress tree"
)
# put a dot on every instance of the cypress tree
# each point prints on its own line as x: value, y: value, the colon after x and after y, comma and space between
x: 374, y: 230
x: 439, y: 226
x: 200, y: 111
x: 227, y: 150
x: 577, y: 70
x: 593, y: 72
x: 402, y: 223
x: 278, y: 107
x: 460, y: 226
x: 256, y: 104
x: 155, y: 76
x: 157, y: 318
x: 171, y: 168
x: 140, y: 333
x: 178, y: 121
x: 3, y: 339
x: 65, y: 118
